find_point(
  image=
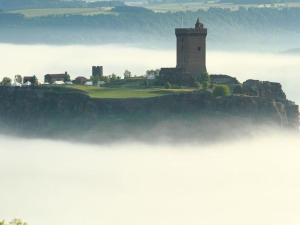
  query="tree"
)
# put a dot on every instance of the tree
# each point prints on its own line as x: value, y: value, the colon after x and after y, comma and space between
x: 221, y: 90
x: 18, y: 79
x: 152, y: 73
x: 237, y: 89
x: 6, y: 81
x: 168, y: 85
x: 147, y: 83
x: 196, y: 84
x: 112, y: 77
x: 13, y: 222
x: 104, y: 78
x: 204, y: 80
x: 17, y: 222
x: 127, y: 74
x: 67, y: 78
x: 35, y: 81
x: 95, y: 80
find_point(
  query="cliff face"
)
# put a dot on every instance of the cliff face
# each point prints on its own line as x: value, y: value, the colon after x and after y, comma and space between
x: 56, y: 112
x: 264, y: 89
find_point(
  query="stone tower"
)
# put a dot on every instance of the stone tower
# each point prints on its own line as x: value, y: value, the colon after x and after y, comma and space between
x: 97, y: 71
x: 191, y: 48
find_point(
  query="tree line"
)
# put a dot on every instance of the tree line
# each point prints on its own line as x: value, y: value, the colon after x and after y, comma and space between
x: 13, y: 222
x: 35, y: 4
x: 143, y: 20
x: 260, y: 27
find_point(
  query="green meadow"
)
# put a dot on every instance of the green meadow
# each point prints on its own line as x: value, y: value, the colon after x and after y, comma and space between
x: 123, y: 93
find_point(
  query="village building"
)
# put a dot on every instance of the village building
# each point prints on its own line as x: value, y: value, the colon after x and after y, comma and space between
x: 68, y: 82
x: 16, y: 84
x: 80, y: 80
x: 89, y: 83
x: 59, y: 82
x: 29, y: 80
x: 56, y: 78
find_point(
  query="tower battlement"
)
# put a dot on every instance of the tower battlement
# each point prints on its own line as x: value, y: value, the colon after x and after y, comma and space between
x: 190, y: 31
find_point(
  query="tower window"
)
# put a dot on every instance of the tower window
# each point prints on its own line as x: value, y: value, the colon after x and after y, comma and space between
x: 199, y: 48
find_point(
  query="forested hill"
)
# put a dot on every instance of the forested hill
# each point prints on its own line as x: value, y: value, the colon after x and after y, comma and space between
x: 257, y: 1
x: 258, y: 28
x: 229, y: 1
x: 35, y: 4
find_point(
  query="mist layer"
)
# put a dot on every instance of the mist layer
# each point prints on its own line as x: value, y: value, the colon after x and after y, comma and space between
x: 254, y: 181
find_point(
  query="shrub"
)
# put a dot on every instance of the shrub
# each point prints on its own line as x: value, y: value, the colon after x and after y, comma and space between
x: 168, y: 85
x: 204, y: 80
x: 211, y: 85
x: 197, y: 84
x: 204, y: 77
x: 35, y: 81
x: 221, y: 90
x: 237, y: 89
x: 6, y: 81
x: 205, y: 85
x: 13, y: 222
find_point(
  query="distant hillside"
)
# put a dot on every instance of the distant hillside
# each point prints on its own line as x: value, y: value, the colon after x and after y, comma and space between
x: 231, y: 1
x: 34, y: 4
x: 258, y: 1
x: 250, y: 29
x: 292, y: 51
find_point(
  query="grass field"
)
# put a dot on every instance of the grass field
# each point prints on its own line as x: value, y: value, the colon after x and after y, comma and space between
x: 64, y: 11
x: 123, y: 93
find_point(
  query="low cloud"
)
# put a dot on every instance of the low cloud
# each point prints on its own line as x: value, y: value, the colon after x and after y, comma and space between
x: 252, y: 181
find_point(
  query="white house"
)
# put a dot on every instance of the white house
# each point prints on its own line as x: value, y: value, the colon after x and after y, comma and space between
x: 58, y: 82
x: 88, y: 83
x: 16, y: 84
x: 27, y: 84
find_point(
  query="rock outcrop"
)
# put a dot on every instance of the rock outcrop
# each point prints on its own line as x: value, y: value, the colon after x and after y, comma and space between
x: 57, y: 113
x: 263, y: 89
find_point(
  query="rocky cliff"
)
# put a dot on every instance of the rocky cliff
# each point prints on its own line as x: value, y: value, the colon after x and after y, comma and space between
x: 65, y: 113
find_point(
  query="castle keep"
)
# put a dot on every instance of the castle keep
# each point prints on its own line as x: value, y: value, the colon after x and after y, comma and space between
x: 191, y: 52
x: 191, y: 48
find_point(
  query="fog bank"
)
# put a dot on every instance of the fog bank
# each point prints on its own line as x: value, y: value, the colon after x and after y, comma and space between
x: 77, y: 60
x: 246, y: 182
